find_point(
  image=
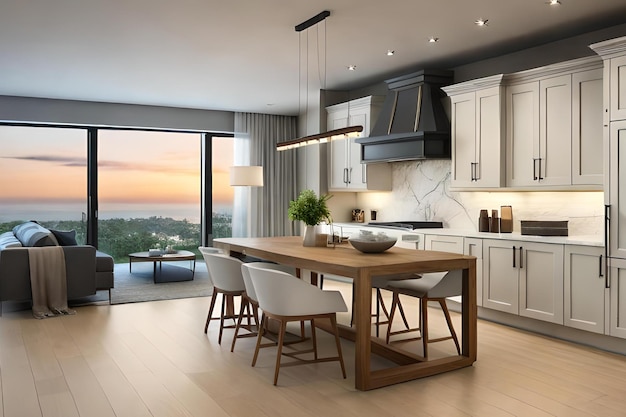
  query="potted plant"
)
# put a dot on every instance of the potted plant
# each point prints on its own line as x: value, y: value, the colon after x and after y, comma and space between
x: 311, y: 210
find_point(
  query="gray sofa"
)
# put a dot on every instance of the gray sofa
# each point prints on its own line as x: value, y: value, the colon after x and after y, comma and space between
x: 87, y: 270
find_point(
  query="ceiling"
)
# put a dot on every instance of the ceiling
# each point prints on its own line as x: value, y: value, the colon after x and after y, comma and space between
x: 243, y: 55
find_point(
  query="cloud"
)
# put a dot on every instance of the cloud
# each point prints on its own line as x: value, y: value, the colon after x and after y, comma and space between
x: 62, y: 160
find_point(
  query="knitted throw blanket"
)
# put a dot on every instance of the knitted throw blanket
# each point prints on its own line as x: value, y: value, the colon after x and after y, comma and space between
x: 48, y: 282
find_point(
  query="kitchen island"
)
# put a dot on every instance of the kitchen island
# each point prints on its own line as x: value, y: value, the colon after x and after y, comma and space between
x: 346, y: 261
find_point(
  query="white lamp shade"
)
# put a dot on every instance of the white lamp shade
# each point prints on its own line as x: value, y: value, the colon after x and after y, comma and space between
x: 251, y: 176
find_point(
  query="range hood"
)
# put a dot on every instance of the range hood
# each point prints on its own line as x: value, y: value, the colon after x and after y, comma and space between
x: 412, y: 123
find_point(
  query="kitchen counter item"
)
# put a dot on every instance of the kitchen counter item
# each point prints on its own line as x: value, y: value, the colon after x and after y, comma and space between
x: 408, y: 225
x: 372, y: 246
x: 506, y: 219
x: 494, y: 222
x: 544, y: 228
x: 483, y: 221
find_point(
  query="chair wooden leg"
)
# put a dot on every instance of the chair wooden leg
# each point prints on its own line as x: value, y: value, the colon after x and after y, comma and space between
x: 281, y: 339
x: 392, y: 313
x: 333, y: 322
x: 212, y: 305
x: 219, y: 339
x: 259, y: 338
x: 424, y: 324
x: 444, y: 307
x: 314, y: 339
x: 244, y: 305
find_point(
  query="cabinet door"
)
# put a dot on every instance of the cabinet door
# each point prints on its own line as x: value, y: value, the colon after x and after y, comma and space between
x: 617, y: 317
x: 474, y: 247
x: 587, y: 168
x: 617, y: 189
x: 441, y: 243
x: 522, y: 117
x: 357, y: 176
x: 584, y: 296
x: 501, y: 275
x: 618, y: 88
x: 489, y: 163
x: 552, y: 164
x: 338, y: 177
x: 463, y: 126
x: 541, y: 281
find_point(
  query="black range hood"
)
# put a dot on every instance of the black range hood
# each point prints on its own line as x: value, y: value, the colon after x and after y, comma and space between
x: 412, y: 123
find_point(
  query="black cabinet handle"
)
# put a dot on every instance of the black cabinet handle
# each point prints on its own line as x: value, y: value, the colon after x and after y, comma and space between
x: 600, y: 270
x: 540, y: 177
x: 521, y: 258
x: 535, y: 169
x: 513, y: 256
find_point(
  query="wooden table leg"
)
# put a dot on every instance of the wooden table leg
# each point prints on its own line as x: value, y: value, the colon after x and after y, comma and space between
x: 362, y: 321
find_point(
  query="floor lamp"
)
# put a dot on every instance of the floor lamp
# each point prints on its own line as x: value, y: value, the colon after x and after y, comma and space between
x: 247, y: 176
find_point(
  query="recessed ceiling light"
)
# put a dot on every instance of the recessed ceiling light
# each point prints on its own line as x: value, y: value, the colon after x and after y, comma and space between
x: 554, y: 3
x: 432, y: 39
x: 481, y: 22
x: 390, y: 52
x: 352, y: 67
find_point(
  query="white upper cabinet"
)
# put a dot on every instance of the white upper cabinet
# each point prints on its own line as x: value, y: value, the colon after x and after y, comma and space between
x: 618, y: 88
x: 477, y: 109
x: 346, y: 172
x: 587, y: 127
x: 554, y: 125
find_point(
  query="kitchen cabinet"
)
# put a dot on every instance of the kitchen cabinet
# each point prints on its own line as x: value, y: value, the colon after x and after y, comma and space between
x: 477, y: 111
x: 587, y: 158
x: 539, y: 126
x: 554, y: 126
x: 617, y: 284
x: 617, y: 83
x: 524, y: 278
x: 617, y: 182
x: 440, y: 243
x: 585, y: 295
x: 346, y: 172
x: 474, y: 247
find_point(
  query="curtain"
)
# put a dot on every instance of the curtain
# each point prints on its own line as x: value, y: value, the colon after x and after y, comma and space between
x: 269, y: 204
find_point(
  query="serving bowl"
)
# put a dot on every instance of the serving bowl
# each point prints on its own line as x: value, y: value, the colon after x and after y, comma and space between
x: 372, y: 246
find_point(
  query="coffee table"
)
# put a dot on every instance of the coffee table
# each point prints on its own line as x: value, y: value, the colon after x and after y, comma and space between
x: 181, y: 255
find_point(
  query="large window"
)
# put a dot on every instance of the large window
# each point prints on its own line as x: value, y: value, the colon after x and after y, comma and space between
x: 43, y: 177
x: 148, y: 191
x: 149, y: 185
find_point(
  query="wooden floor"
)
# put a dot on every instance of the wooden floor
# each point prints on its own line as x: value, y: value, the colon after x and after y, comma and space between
x: 152, y: 359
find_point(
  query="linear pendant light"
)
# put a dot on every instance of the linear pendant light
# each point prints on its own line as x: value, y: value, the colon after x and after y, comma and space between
x: 350, y: 131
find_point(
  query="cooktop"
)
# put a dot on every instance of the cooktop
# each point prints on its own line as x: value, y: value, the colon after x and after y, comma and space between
x: 410, y: 225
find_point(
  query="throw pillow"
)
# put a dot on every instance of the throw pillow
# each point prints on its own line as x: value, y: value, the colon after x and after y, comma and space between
x: 8, y: 240
x: 32, y: 234
x: 65, y: 237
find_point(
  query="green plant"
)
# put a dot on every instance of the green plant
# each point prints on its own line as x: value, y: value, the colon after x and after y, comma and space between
x: 309, y: 208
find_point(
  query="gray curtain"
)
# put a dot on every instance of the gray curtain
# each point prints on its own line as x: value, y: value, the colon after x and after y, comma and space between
x: 269, y: 204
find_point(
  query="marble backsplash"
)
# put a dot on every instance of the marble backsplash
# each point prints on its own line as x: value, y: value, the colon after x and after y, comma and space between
x: 421, y: 191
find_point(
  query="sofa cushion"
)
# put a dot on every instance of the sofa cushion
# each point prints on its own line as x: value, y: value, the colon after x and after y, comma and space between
x: 8, y: 240
x: 32, y: 234
x: 65, y: 237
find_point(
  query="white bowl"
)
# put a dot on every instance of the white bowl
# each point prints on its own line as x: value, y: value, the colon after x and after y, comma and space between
x: 372, y: 246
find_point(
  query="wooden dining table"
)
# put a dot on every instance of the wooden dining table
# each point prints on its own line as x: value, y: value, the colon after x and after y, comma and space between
x: 345, y: 261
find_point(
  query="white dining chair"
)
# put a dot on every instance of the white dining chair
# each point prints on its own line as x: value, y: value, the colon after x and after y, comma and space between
x: 286, y: 298
x: 250, y: 299
x: 225, y: 272
x: 434, y: 286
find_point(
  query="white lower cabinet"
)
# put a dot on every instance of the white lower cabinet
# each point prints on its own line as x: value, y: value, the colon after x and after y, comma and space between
x: 617, y: 283
x: 584, y: 296
x: 524, y: 278
x: 453, y: 244
x: 474, y: 247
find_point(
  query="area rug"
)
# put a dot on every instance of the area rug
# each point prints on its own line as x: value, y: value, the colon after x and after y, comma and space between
x: 140, y: 286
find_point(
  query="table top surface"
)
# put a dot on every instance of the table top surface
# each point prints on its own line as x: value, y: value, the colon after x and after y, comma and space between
x: 343, y: 259
x: 177, y: 255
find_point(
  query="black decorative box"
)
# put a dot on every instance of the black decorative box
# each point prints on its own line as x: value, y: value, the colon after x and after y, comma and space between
x: 544, y: 228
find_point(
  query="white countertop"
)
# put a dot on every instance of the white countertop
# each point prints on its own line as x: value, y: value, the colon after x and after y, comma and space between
x: 591, y: 240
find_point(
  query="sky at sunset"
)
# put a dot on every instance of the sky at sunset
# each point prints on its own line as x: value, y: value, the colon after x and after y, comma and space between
x: 49, y: 165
